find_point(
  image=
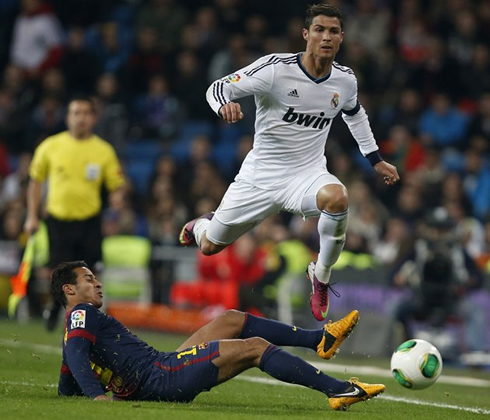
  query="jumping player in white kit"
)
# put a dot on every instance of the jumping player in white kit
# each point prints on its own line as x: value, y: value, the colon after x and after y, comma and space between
x: 297, y: 96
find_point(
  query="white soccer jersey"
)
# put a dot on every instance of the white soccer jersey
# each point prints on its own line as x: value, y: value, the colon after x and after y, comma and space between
x: 293, y: 117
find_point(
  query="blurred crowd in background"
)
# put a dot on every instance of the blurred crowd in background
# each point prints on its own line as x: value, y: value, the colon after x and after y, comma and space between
x: 423, y: 69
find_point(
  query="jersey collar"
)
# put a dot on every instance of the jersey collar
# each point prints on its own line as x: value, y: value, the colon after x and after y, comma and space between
x: 314, y: 79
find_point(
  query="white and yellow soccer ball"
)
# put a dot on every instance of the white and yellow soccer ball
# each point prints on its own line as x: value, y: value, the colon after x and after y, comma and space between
x: 416, y: 364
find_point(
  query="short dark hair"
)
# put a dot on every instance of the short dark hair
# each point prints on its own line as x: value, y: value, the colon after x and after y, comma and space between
x: 64, y: 274
x: 83, y: 98
x: 322, y: 9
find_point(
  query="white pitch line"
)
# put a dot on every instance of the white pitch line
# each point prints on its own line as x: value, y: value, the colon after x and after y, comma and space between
x: 42, y: 348
x: 270, y: 381
x: 435, y: 404
x: 28, y: 384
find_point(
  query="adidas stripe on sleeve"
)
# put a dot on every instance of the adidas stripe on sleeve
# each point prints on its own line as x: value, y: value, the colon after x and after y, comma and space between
x: 254, y: 79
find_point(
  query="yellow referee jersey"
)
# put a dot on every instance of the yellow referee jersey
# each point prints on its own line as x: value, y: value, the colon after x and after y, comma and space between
x: 75, y: 170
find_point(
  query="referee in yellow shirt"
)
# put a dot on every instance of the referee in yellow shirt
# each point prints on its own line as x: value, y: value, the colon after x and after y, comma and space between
x: 76, y: 164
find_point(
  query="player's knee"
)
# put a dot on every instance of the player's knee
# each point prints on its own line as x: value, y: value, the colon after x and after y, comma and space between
x: 233, y: 320
x: 257, y: 344
x: 208, y: 248
x: 257, y: 347
x: 333, y: 198
x: 245, y: 352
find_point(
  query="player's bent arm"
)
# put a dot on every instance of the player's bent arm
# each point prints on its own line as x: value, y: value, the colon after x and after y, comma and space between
x: 253, y: 79
x: 67, y: 385
x: 231, y: 112
x: 358, y: 123
x: 77, y: 357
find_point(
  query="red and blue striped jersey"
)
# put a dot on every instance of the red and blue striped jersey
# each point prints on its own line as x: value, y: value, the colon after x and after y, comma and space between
x: 100, y: 354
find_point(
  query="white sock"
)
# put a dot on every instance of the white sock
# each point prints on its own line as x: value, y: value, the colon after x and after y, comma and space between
x: 322, y: 272
x: 332, y: 227
x: 200, y: 228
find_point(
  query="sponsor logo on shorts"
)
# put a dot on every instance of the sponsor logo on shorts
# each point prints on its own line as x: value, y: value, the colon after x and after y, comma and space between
x: 117, y: 383
x: 203, y: 346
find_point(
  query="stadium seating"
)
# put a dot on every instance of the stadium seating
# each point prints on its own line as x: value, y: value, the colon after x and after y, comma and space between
x: 181, y: 146
x: 145, y: 150
x: 139, y: 172
x: 139, y: 158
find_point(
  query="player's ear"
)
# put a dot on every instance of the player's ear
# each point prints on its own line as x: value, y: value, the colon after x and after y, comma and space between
x: 305, y: 34
x: 68, y: 289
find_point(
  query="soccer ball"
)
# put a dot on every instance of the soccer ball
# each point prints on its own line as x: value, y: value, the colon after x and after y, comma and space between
x: 416, y: 364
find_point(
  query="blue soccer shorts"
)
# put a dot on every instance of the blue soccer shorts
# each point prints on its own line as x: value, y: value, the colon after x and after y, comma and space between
x: 181, y: 376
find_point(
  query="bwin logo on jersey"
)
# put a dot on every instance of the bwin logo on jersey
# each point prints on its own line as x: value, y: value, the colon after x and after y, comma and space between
x: 307, y: 120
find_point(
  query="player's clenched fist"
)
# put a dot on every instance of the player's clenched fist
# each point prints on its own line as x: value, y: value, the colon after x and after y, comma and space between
x: 231, y: 112
x: 388, y: 171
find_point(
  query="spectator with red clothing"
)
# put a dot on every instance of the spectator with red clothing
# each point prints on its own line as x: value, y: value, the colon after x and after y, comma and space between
x: 240, y: 265
x: 403, y: 149
x: 37, y: 38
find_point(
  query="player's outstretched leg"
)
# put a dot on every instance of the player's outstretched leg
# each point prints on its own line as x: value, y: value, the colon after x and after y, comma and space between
x: 289, y: 368
x: 187, y: 237
x: 319, y: 302
x: 325, y: 342
x: 334, y: 333
x: 357, y: 392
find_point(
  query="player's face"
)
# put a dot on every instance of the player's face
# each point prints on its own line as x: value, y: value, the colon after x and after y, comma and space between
x: 323, y: 37
x: 88, y: 289
x: 80, y: 119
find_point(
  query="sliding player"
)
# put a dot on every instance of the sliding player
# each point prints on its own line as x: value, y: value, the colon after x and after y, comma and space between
x: 100, y: 354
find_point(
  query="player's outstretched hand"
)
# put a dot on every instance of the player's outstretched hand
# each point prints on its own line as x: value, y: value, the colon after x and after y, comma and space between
x: 231, y: 112
x: 388, y: 172
x: 102, y: 398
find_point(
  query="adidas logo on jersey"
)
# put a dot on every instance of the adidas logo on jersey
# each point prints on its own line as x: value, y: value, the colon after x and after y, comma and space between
x: 293, y: 93
x: 315, y: 121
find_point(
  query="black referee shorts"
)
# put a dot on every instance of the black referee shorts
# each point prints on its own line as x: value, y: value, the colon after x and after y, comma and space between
x: 75, y: 240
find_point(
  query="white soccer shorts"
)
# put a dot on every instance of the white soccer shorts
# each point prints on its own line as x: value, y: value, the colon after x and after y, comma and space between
x: 244, y: 205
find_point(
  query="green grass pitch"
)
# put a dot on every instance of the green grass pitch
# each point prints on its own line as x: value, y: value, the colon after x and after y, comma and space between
x: 30, y: 361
